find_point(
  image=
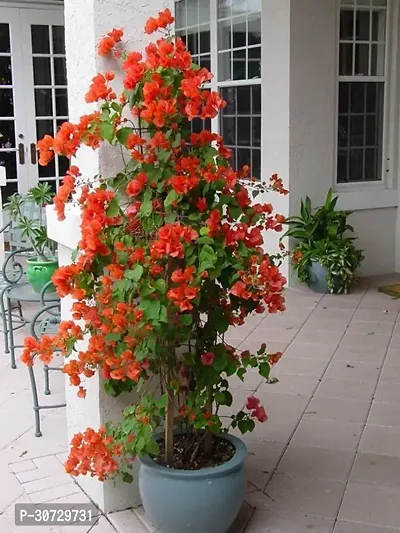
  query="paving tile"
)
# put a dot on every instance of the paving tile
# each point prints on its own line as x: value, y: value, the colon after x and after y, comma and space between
x: 355, y: 527
x: 327, y: 434
x: 23, y: 466
x: 341, y: 410
x: 304, y: 495
x: 360, y: 354
x: 262, y: 458
x: 379, y: 469
x: 395, y: 343
x: 10, y: 489
x: 384, y: 414
x: 342, y: 301
x: 390, y: 373
x: 355, y: 371
x: 393, y: 357
x: 325, y: 324
x: 388, y: 392
x: 366, y: 340
x: 104, y: 526
x: 253, y: 346
x: 371, y: 504
x: 373, y: 315
x: 381, y: 440
x: 300, y: 367
x: 291, y: 384
x: 283, y: 334
x: 371, y: 328
x: 308, y: 461
x: 127, y: 522
x: 379, y: 303
x: 46, y: 483
x: 303, y: 350
x: 320, y: 337
x: 345, y: 388
x: 240, y: 524
x: 252, y: 380
x: 275, y: 522
x: 53, y: 493
x: 332, y: 314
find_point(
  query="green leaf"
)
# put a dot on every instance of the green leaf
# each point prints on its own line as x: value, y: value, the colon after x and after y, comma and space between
x: 160, y: 285
x: 205, y: 230
x: 171, y: 197
x: 224, y: 398
x: 107, y: 131
x: 127, y: 477
x: 264, y: 370
x: 163, y: 315
x: 162, y: 402
x: 146, y: 208
x: 186, y: 319
x: 240, y: 373
x: 113, y: 337
x: 123, y: 134
x: 151, y: 309
x: 113, y: 209
x: 246, y: 425
x: 135, y: 274
x: 236, y: 212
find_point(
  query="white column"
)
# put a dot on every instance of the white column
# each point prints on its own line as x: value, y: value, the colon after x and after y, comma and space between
x: 85, y: 23
x: 299, y: 43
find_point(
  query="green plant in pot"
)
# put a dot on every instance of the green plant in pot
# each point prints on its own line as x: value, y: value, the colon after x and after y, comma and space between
x: 324, y: 256
x: 171, y: 255
x: 27, y: 214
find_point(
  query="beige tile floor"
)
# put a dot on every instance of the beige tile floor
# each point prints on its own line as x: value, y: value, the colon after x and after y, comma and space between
x: 327, y: 460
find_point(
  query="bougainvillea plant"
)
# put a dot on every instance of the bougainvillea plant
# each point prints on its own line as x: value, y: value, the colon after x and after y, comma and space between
x: 170, y: 257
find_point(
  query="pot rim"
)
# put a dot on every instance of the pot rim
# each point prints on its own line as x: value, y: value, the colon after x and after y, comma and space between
x: 230, y: 466
x: 50, y: 260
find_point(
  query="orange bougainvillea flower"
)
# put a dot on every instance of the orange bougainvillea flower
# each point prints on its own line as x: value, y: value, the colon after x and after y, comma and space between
x: 108, y: 42
x: 164, y: 19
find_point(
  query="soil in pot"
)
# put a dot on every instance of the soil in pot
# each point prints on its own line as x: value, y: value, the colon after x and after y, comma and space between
x: 187, y: 456
x: 206, y: 500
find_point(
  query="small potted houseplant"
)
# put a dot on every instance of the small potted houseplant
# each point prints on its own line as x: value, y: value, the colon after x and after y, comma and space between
x: 324, y: 256
x: 170, y: 257
x: 28, y: 216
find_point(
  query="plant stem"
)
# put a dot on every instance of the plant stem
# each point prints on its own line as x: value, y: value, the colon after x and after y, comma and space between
x: 208, y: 434
x: 169, y: 429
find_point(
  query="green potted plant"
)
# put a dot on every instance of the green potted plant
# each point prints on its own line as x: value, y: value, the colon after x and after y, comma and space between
x: 324, y: 256
x: 27, y: 215
x: 170, y: 257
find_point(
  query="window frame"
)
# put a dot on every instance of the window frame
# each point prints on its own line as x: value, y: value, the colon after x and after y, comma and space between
x: 390, y: 104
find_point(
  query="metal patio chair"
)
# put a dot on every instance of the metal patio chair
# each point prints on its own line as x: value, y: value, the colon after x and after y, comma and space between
x: 45, y: 322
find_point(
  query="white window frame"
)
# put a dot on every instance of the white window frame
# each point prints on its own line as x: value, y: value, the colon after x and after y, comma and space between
x: 369, y: 189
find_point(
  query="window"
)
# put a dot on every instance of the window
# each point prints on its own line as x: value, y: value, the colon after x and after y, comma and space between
x: 362, y: 83
x: 235, y: 61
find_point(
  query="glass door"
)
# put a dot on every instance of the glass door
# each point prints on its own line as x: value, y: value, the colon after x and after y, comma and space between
x: 47, y: 109
x: 13, y: 153
x: 33, y: 93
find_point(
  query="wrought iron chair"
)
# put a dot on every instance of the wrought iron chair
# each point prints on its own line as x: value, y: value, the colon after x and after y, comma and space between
x: 13, y: 270
x: 45, y: 322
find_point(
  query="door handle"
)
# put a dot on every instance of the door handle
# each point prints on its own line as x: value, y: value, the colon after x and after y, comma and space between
x: 21, y: 153
x: 33, y: 154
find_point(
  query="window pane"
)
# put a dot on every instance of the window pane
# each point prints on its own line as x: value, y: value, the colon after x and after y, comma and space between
x: 9, y: 160
x: 362, y: 25
x: 58, y: 40
x: 362, y: 60
x: 180, y: 14
x: 243, y: 131
x: 372, y: 171
x: 229, y: 95
x: 40, y: 39
x: 378, y: 60
x: 192, y: 12
x: 5, y: 71
x: 5, y: 38
x: 254, y: 65
x: 61, y: 103
x: 342, y: 166
x: 356, y: 165
x: 6, y: 103
x: 224, y: 35
x: 204, y: 11
x: 228, y: 131
x: 204, y: 39
x: 346, y: 59
x: 224, y: 8
x: 44, y: 127
x: 344, y: 100
x: 41, y: 71
x: 193, y: 42
x: 60, y: 71
x: 357, y: 97
x: 243, y: 157
x: 378, y: 25
x: 256, y: 163
x: 43, y: 103
x: 224, y: 66
x: 243, y: 100
x: 7, y: 134
x: 254, y: 31
x: 256, y: 133
x: 346, y: 24
x: 343, y: 130
x: 256, y: 98
x: 239, y: 65
x: 239, y: 32
x: 357, y: 130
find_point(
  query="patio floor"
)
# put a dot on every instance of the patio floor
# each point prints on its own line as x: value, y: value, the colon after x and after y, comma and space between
x: 327, y: 460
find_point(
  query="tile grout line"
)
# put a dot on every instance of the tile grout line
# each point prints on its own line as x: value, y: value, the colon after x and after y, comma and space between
x: 366, y: 418
x: 313, y: 393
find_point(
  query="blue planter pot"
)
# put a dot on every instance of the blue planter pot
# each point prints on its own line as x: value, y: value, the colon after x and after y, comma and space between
x: 317, y: 278
x: 194, y: 501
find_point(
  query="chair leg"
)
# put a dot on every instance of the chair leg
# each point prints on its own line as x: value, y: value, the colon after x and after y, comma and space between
x: 21, y: 315
x: 36, y: 406
x: 11, y: 333
x: 4, y: 319
x: 46, y: 381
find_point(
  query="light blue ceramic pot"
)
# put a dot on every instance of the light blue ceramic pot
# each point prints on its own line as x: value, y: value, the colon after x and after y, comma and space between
x: 199, y: 501
x: 317, y: 281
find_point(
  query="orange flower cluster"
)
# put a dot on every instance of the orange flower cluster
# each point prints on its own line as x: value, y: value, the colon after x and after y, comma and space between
x: 99, y: 89
x: 65, y: 191
x: 108, y: 42
x: 170, y: 241
x: 93, y: 452
x: 183, y: 293
x: 164, y: 19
